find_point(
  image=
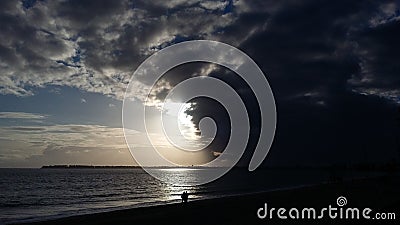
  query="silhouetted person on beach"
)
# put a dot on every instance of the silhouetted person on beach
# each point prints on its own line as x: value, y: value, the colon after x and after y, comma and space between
x: 185, y: 197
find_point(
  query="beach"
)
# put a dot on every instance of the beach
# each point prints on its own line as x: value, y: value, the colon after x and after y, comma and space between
x: 381, y: 195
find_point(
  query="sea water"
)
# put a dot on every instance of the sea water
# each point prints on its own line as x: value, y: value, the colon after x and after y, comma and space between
x: 40, y: 194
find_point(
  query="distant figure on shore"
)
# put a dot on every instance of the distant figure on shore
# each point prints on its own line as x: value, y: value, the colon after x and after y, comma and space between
x: 185, y: 197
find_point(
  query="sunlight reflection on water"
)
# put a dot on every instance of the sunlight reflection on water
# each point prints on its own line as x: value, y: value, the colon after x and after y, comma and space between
x: 186, y: 177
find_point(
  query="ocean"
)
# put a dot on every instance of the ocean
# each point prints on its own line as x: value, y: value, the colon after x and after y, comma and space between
x: 40, y: 194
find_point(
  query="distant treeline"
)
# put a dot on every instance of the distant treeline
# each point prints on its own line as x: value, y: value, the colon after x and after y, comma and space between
x: 85, y: 167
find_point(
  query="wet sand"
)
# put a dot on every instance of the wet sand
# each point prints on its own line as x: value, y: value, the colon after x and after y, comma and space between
x: 379, y: 194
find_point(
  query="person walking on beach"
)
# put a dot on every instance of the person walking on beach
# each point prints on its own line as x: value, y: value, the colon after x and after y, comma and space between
x: 185, y: 197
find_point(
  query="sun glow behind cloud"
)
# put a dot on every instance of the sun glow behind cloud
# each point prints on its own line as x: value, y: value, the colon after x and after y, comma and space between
x: 186, y: 126
x: 176, y: 138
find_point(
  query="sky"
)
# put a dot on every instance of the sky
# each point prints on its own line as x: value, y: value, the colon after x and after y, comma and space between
x: 332, y: 66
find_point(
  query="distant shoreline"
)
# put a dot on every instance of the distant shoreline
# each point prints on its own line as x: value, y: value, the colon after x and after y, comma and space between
x: 117, y: 167
x: 390, y: 167
x: 85, y: 167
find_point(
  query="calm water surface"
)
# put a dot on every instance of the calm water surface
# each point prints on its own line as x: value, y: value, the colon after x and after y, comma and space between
x: 38, y: 194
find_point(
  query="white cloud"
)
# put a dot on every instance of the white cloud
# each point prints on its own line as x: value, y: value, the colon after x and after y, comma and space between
x: 34, y: 146
x: 96, y: 48
x: 387, y: 13
x: 21, y: 115
x: 52, y: 144
x: 392, y: 95
x: 214, y: 5
x: 175, y: 3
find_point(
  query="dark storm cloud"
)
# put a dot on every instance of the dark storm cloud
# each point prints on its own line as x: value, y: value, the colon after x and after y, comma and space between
x: 306, y: 45
x: 329, y: 62
x: 309, y: 52
x: 94, y: 45
x: 378, y: 50
x: 319, y: 57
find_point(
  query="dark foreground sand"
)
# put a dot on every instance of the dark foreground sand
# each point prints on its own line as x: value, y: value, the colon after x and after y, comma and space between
x: 379, y: 194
